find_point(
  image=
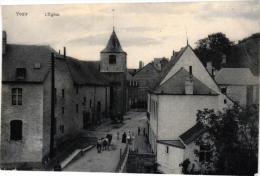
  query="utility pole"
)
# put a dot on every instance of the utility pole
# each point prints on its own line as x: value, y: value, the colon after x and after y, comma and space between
x: 52, y: 107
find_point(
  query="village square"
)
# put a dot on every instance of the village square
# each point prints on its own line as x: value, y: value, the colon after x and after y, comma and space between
x: 195, y: 112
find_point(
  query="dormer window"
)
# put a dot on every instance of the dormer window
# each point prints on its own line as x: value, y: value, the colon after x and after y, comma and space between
x: 112, y: 59
x: 20, y: 73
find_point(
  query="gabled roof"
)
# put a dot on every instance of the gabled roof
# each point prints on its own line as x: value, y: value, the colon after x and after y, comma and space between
x: 174, y: 143
x: 172, y: 62
x: 85, y: 72
x: 113, y: 45
x: 176, y: 85
x: 26, y: 56
x: 193, y: 133
x: 236, y: 76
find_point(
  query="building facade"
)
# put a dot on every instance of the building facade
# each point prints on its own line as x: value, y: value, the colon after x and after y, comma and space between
x: 185, y: 88
x: 81, y: 100
x: 144, y: 80
x: 239, y: 84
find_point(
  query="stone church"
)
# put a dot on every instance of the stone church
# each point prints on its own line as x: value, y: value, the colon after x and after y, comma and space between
x: 113, y: 65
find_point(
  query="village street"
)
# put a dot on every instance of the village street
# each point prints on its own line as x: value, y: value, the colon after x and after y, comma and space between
x: 107, y: 161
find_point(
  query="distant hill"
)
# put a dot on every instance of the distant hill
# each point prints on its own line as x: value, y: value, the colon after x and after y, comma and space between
x: 246, y: 54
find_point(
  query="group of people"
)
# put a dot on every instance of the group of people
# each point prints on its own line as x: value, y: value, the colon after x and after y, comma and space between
x: 104, y: 143
x: 127, y: 138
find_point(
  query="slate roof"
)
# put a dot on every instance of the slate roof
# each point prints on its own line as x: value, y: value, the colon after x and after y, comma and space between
x: 26, y: 56
x: 236, y: 76
x: 172, y: 62
x: 113, y: 45
x: 174, y: 143
x: 86, y: 72
x: 176, y: 85
x: 193, y: 133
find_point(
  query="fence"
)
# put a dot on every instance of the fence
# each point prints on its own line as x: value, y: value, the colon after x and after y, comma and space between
x: 122, y: 161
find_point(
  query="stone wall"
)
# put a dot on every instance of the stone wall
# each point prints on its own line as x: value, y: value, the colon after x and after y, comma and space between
x: 29, y: 149
x: 120, y: 65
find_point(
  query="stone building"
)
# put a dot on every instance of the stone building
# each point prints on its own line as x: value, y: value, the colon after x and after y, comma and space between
x: 81, y: 100
x: 186, y: 87
x: 143, y: 80
x: 239, y: 84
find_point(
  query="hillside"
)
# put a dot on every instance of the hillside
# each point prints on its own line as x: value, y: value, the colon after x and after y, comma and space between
x: 246, y: 54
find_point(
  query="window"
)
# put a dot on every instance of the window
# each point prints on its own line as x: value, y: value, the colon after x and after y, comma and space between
x: 225, y: 101
x: 112, y: 59
x: 77, y: 108
x: 62, y: 110
x: 17, y: 96
x: 84, y: 101
x: 62, y: 128
x: 63, y: 93
x: 16, y: 130
x: 205, y: 153
x: 224, y: 90
x: 167, y: 149
x: 20, y: 73
x: 55, y: 96
x: 77, y: 89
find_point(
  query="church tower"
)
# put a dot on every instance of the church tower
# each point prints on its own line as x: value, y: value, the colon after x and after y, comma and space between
x: 113, y: 58
x: 113, y: 67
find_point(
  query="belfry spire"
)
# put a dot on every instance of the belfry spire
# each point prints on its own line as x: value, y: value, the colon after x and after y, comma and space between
x: 187, y: 36
x: 113, y: 11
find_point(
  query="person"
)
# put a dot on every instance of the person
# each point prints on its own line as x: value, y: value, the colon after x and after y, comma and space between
x: 99, y: 142
x: 139, y: 130
x: 124, y: 138
x: 144, y: 131
x: 128, y: 137
x: 117, y: 135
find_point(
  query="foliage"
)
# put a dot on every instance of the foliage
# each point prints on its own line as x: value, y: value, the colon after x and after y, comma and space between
x: 212, y: 48
x: 233, y: 139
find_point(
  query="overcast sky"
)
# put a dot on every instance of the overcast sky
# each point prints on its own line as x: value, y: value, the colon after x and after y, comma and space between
x: 146, y: 31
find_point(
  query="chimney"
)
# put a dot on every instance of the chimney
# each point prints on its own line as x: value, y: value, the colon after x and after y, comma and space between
x: 189, y: 83
x: 59, y: 52
x: 224, y: 60
x: 157, y: 63
x: 64, y: 52
x: 4, y: 42
x: 141, y: 64
x: 209, y: 67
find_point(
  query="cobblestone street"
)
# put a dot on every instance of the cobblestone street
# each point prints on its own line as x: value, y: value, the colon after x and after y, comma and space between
x: 107, y: 161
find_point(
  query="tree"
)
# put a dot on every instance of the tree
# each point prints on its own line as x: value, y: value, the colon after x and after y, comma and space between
x: 212, y: 48
x: 233, y: 139
x: 234, y: 136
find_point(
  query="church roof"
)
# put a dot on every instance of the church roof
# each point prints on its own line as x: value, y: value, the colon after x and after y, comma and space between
x: 86, y: 72
x: 113, y: 45
x: 176, y: 85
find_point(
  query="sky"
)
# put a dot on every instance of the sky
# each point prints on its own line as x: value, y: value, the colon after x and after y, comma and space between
x: 145, y: 30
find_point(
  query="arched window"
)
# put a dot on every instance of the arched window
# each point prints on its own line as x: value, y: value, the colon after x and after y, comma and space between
x: 112, y: 59
x: 16, y: 130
